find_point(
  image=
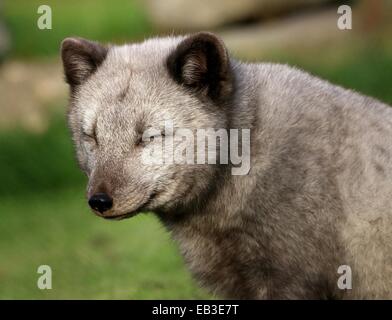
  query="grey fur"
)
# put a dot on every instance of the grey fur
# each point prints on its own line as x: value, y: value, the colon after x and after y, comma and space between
x: 318, y: 195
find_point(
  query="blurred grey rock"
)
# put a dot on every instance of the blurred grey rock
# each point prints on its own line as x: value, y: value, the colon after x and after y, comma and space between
x: 291, y: 33
x: 209, y: 14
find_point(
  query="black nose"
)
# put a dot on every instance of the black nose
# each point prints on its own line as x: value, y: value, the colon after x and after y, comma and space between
x: 100, y: 202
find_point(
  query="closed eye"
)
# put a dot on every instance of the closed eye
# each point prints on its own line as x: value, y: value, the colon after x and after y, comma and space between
x: 92, y: 137
x: 144, y: 140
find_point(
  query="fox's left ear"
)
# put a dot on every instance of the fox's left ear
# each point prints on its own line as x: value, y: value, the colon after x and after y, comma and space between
x: 201, y: 62
x: 81, y: 58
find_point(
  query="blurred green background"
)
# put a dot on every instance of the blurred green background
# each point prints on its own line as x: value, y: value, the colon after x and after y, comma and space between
x: 44, y: 218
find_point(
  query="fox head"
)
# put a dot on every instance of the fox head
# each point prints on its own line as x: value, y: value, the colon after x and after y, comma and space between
x: 117, y: 93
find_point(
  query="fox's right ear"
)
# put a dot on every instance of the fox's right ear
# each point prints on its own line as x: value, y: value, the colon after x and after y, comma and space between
x: 81, y: 58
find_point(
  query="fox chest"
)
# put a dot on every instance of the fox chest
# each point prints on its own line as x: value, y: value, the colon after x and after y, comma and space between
x: 227, y: 264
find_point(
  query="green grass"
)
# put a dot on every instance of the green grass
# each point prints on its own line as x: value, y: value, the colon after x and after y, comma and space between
x: 90, y: 258
x: 116, y: 20
x: 38, y: 163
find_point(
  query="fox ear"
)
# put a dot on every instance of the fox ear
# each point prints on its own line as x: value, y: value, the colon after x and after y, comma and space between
x: 80, y: 59
x: 201, y: 62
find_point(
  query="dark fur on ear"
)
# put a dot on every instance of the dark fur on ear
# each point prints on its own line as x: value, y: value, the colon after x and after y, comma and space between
x: 201, y: 62
x: 81, y: 58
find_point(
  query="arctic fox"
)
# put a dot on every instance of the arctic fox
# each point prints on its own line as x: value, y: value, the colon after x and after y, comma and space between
x: 317, y: 196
